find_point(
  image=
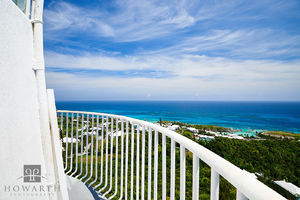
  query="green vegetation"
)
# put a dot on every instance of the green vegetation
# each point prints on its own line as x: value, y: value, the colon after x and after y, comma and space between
x: 281, y: 134
x: 275, y: 159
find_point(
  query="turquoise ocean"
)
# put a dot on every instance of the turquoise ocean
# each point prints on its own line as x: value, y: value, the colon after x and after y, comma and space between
x: 246, y: 116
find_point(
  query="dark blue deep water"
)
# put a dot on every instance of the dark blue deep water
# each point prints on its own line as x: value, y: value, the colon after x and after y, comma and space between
x: 284, y: 116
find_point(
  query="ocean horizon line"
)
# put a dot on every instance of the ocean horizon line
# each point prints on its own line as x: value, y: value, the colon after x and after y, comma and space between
x: 250, y: 101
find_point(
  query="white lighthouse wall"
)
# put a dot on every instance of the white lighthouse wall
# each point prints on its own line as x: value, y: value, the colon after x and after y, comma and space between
x: 20, y: 138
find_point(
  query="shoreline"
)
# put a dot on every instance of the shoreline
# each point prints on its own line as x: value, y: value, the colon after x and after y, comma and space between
x: 240, y: 129
x: 211, y: 131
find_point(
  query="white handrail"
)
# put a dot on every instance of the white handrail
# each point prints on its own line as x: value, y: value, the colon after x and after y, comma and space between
x: 56, y: 145
x: 246, y: 185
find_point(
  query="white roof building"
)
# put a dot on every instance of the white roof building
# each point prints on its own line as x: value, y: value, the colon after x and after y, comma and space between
x: 90, y: 133
x: 235, y: 136
x: 95, y: 128
x: 173, y: 127
x: 205, y: 136
x: 69, y: 140
x: 290, y: 187
x: 194, y: 130
x: 212, y: 132
x: 119, y: 133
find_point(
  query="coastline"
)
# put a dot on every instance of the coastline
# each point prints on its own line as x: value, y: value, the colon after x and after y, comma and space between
x: 205, y: 132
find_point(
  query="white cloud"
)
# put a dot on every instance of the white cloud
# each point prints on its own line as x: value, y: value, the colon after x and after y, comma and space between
x: 185, y: 65
x: 134, y: 20
x: 243, y: 44
x: 72, y: 87
x: 217, y: 78
x: 68, y: 17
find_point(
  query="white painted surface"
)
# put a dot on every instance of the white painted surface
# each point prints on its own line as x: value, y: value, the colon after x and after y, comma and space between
x: 214, y: 185
x: 39, y: 66
x: 57, y: 147
x: 77, y: 190
x: 19, y: 118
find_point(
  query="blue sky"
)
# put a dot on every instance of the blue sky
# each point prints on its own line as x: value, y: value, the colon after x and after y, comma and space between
x: 173, y: 50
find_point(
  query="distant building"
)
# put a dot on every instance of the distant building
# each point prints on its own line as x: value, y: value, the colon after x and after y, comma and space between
x: 235, y: 136
x: 173, y: 127
x: 194, y: 130
x: 212, y: 133
x: 70, y: 140
x: 290, y: 187
x: 203, y: 137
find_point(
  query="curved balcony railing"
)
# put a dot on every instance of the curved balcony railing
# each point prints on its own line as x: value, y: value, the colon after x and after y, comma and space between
x: 126, y: 158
